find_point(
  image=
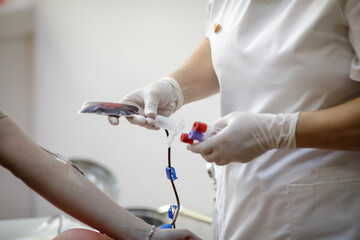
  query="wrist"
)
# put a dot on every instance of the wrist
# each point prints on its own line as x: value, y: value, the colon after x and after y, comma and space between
x: 151, y: 232
x: 177, y: 90
x: 282, y: 130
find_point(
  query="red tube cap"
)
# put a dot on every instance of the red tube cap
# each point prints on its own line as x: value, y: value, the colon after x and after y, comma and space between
x: 185, y: 138
x: 199, y: 126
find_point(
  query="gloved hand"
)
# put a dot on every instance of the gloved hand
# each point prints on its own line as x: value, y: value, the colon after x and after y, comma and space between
x: 163, y: 97
x: 245, y: 136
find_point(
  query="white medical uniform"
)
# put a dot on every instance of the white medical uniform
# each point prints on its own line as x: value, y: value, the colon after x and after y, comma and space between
x: 276, y: 56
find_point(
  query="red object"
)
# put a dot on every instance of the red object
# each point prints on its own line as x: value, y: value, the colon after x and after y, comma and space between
x: 200, y: 127
x: 216, y: 27
x: 110, y: 104
x: 185, y: 138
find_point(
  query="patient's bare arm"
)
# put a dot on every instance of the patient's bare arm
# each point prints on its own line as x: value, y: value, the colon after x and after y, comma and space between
x: 69, y: 190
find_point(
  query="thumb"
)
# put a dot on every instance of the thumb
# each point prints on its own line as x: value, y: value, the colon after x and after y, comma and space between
x: 221, y: 123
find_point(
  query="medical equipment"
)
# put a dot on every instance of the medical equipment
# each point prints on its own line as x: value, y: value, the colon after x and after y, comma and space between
x: 199, y: 132
x: 118, y: 109
x: 64, y: 160
x: 172, y: 128
x: 173, y: 211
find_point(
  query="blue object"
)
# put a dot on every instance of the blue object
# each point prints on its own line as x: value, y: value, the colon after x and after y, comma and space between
x: 196, y: 135
x: 165, y: 226
x: 170, y: 173
x: 170, y: 212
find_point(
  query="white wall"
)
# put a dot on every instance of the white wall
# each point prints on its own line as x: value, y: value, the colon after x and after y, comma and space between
x: 15, y: 76
x: 101, y: 50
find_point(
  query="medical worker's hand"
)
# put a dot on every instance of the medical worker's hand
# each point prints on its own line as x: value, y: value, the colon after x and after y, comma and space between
x: 163, y: 97
x: 245, y: 136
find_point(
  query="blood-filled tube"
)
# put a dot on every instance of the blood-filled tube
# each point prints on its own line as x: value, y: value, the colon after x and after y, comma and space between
x: 199, y: 132
x: 205, y: 129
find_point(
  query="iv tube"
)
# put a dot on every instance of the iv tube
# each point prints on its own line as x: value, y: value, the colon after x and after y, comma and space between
x: 177, y: 209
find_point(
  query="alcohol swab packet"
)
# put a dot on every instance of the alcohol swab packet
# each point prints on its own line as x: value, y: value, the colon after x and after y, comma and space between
x: 118, y: 109
x: 110, y: 109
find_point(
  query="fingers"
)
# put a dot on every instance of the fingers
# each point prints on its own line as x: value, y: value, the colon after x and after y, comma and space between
x: 222, y: 122
x: 211, y: 155
x: 202, y: 148
x: 137, y: 120
x: 113, y: 120
x: 151, y: 106
x: 150, y: 112
x: 142, y: 121
x: 208, y: 149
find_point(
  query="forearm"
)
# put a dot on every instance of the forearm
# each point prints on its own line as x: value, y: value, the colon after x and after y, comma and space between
x: 70, y: 191
x: 336, y: 128
x: 196, y: 76
x: 64, y: 186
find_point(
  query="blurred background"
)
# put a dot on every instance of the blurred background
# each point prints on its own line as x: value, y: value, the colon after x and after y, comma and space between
x: 55, y: 55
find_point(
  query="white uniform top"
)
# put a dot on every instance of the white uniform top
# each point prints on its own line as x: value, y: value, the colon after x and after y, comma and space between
x: 287, y: 56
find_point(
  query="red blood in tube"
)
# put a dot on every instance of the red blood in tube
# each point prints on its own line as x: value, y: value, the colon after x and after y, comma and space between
x: 200, y: 127
x: 185, y: 138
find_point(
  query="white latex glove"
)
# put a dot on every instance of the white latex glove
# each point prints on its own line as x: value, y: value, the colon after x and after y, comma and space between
x: 163, y: 97
x: 245, y: 136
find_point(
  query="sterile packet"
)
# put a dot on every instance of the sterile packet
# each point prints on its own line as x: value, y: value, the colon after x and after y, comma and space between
x: 110, y: 109
x: 119, y: 109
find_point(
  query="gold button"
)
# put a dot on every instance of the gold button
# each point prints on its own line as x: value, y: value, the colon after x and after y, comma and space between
x: 216, y: 27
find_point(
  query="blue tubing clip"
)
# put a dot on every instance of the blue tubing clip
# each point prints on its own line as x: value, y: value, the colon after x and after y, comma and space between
x: 170, y: 173
x: 170, y: 211
x: 165, y: 226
